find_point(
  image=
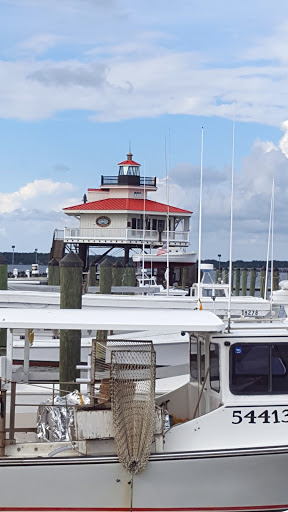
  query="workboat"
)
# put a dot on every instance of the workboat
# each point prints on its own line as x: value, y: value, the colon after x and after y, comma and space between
x: 219, y: 442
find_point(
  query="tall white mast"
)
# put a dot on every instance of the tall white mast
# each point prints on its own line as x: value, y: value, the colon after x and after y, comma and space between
x: 167, y: 160
x: 200, y: 216
x: 231, y: 221
x: 272, y: 249
x: 268, y: 244
x: 144, y: 221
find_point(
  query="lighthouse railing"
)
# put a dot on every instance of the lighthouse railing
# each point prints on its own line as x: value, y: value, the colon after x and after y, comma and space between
x: 120, y: 234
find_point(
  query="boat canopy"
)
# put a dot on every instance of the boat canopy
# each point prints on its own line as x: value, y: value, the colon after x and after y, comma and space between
x: 111, y: 319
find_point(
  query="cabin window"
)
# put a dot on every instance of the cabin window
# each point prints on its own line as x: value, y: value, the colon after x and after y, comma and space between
x: 193, y: 358
x: 258, y: 368
x: 202, y: 361
x: 197, y: 359
x: 214, y: 367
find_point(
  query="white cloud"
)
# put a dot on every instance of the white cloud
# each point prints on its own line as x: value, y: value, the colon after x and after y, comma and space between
x: 252, y: 196
x: 44, y: 194
x: 147, y: 70
x: 39, y: 44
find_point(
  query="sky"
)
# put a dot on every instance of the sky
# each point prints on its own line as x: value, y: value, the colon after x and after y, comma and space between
x: 81, y: 80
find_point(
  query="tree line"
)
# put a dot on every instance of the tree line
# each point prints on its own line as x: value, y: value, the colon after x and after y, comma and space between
x: 27, y: 258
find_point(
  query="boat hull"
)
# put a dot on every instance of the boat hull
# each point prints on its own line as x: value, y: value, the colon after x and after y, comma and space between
x: 242, y: 480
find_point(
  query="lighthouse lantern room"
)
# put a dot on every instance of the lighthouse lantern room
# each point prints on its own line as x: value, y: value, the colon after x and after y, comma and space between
x: 120, y: 214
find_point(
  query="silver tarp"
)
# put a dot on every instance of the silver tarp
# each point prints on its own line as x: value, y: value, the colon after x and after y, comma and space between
x: 55, y: 421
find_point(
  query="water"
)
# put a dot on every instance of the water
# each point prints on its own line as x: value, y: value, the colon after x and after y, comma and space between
x: 22, y: 270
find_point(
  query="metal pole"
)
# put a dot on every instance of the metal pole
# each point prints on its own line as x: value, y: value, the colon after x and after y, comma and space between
x: 2, y: 419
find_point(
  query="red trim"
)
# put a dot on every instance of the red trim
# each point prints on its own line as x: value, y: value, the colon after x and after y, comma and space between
x: 137, y: 509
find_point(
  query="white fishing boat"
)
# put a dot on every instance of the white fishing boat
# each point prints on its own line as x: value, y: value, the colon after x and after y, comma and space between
x: 224, y: 446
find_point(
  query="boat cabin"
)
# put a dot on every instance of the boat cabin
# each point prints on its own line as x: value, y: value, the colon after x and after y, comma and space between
x: 237, y: 389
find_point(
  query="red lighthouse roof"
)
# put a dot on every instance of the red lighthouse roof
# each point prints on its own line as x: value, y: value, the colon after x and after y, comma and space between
x: 127, y: 205
x: 129, y: 160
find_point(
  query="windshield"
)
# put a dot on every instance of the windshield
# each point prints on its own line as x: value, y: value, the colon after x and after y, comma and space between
x: 258, y: 368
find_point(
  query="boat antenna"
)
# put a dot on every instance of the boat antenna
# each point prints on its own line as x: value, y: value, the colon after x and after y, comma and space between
x: 167, y: 164
x: 272, y: 250
x: 144, y: 221
x: 200, y: 218
x: 269, y: 239
x: 231, y: 221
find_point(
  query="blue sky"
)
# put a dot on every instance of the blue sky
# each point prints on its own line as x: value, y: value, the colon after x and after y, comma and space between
x: 79, y: 79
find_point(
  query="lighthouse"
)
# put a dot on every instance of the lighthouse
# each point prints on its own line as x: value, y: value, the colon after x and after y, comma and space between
x: 120, y: 214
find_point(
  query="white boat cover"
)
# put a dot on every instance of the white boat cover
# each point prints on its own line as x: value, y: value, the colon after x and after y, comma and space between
x: 111, y: 319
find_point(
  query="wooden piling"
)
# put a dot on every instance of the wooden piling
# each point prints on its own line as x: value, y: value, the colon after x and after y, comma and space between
x: 276, y: 279
x: 117, y: 273
x: 262, y: 282
x: 92, y: 274
x: 70, y: 340
x: 237, y: 281
x: 129, y: 275
x: 105, y: 283
x: 3, y: 286
x: 105, y: 277
x: 244, y: 281
x: 252, y: 281
x: 225, y: 275
x: 53, y: 273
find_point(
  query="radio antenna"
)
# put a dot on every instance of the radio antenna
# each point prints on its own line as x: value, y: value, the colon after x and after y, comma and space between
x: 231, y: 221
x: 200, y: 217
x: 269, y: 238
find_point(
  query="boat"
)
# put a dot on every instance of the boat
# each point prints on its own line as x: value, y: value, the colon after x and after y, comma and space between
x: 177, y: 257
x: 218, y: 442
x: 145, y: 281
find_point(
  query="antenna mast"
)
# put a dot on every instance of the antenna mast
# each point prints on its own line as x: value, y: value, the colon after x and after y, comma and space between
x: 272, y: 249
x: 231, y: 221
x: 144, y: 222
x: 269, y: 238
x: 200, y: 216
x: 167, y: 161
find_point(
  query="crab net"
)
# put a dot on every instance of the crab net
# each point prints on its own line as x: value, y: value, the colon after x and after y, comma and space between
x: 132, y: 386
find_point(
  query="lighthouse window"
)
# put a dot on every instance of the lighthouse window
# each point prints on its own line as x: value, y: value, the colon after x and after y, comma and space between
x: 258, y: 368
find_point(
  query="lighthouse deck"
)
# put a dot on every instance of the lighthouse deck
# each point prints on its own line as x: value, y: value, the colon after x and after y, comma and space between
x: 121, y: 235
